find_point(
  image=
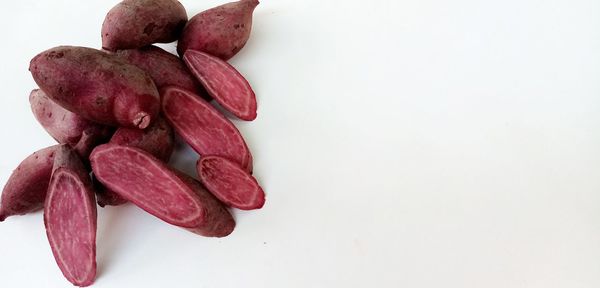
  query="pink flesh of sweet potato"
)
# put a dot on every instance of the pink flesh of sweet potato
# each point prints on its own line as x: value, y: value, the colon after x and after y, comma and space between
x: 203, y: 127
x: 223, y: 83
x: 230, y: 183
x: 26, y: 188
x: 157, y: 140
x: 70, y: 218
x: 65, y: 126
x: 138, y: 23
x: 221, y: 31
x: 150, y: 184
x: 97, y: 86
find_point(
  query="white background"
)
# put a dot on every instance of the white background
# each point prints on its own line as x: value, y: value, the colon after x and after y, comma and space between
x: 401, y: 144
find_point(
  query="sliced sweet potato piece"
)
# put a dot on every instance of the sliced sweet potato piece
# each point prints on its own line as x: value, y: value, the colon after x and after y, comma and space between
x: 230, y: 183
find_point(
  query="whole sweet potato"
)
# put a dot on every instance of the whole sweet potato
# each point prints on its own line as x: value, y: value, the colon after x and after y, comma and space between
x: 165, y: 68
x: 70, y: 218
x: 230, y: 183
x: 150, y: 184
x: 138, y: 23
x: 63, y: 125
x: 221, y: 31
x: 203, y: 127
x: 25, y: 190
x: 157, y: 140
x: 223, y: 83
x: 97, y: 86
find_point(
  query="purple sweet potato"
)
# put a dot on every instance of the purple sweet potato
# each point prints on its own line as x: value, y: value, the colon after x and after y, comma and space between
x: 150, y: 184
x: 230, y: 183
x: 157, y: 140
x: 223, y: 83
x: 97, y: 86
x: 138, y: 23
x: 70, y: 218
x: 221, y: 31
x: 165, y: 68
x: 63, y: 125
x: 203, y: 127
x: 26, y: 188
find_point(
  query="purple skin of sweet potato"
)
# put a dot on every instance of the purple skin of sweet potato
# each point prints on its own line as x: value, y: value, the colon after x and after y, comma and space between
x: 203, y: 127
x: 26, y: 188
x: 223, y: 83
x: 63, y: 125
x: 150, y: 184
x: 137, y: 23
x: 230, y: 183
x: 158, y: 140
x: 70, y: 218
x: 67, y: 127
x: 97, y: 86
x: 165, y: 68
x: 221, y: 31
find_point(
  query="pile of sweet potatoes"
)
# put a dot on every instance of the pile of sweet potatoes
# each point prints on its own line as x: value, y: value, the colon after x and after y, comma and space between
x: 115, y: 112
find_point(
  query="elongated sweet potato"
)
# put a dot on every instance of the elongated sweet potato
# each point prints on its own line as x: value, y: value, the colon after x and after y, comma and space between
x: 67, y: 127
x: 230, y: 183
x: 97, y: 86
x: 150, y: 184
x: 70, y: 218
x: 223, y: 83
x: 63, y: 125
x: 157, y: 140
x: 26, y: 188
x: 221, y: 31
x: 165, y: 68
x: 203, y: 127
x: 138, y: 23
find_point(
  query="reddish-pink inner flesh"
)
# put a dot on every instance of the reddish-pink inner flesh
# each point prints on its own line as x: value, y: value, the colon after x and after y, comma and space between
x: 70, y: 226
x: 203, y: 128
x: 149, y: 184
x: 224, y: 84
x: 230, y: 183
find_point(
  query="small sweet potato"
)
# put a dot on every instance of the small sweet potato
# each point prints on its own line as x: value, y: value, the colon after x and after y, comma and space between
x: 230, y: 183
x: 157, y: 140
x: 97, y: 86
x: 63, y: 125
x: 221, y: 31
x: 223, y: 83
x: 203, y: 127
x: 138, y: 23
x: 165, y: 68
x: 26, y: 188
x: 70, y: 218
x: 150, y: 184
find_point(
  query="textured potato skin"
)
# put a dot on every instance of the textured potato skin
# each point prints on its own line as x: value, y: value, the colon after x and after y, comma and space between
x: 97, y: 86
x: 25, y: 190
x: 138, y: 23
x: 165, y: 68
x: 65, y: 126
x: 221, y: 31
